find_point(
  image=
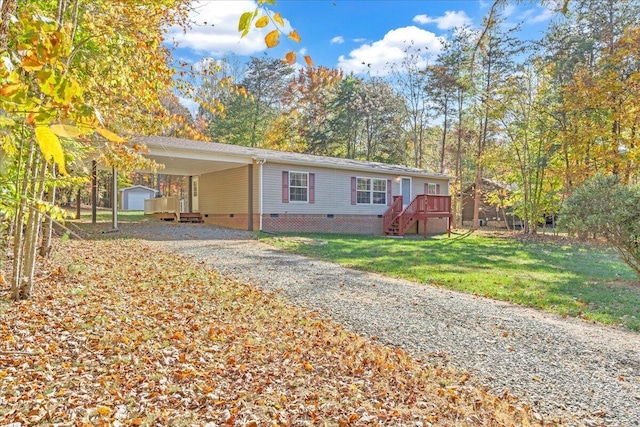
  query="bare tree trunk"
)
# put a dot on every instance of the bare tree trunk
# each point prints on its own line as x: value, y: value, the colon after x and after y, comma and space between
x: 19, y: 220
x: 47, y: 233
x: 477, y: 191
x: 34, y: 224
x: 445, y: 128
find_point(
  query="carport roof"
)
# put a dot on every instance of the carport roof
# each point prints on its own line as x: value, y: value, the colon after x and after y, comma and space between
x: 188, y: 157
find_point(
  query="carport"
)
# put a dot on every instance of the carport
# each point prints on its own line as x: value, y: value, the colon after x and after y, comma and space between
x: 193, y: 159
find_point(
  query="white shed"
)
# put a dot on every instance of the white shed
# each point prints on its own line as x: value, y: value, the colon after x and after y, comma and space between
x: 132, y: 198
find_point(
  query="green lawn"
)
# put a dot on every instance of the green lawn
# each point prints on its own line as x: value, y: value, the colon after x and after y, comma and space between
x: 104, y: 215
x: 587, y: 281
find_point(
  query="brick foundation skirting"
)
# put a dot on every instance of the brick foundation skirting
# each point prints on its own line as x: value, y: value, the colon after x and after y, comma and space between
x: 341, y: 224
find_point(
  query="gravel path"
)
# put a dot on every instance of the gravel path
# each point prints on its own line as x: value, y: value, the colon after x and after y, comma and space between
x: 562, y: 366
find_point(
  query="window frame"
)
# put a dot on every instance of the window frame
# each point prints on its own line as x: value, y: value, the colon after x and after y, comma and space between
x: 371, y: 191
x: 291, y: 174
x: 432, y: 189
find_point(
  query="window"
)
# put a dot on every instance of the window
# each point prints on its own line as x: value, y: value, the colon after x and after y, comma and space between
x: 298, y: 186
x: 371, y: 191
x: 364, y: 191
x: 431, y: 188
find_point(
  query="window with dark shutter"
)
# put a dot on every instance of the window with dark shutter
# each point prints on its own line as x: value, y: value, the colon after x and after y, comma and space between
x: 312, y: 188
x: 285, y: 187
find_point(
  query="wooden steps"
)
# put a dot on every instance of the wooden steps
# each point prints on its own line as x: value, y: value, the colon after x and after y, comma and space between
x: 166, y: 216
x: 191, y: 217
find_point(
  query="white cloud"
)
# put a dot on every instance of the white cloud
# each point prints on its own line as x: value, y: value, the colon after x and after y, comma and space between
x: 509, y: 10
x: 377, y: 57
x: 543, y: 16
x: 449, y: 20
x: 359, y: 40
x: 337, y: 40
x: 215, y: 29
x: 190, y: 105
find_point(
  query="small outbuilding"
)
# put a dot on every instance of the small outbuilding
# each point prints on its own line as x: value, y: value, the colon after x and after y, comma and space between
x: 132, y: 198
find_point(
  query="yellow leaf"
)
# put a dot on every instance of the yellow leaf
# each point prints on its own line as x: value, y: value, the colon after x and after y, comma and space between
x: 272, y: 39
x: 9, y: 89
x: 103, y: 411
x: 293, y: 35
x: 109, y: 135
x: 290, y: 58
x: 244, y: 22
x: 29, y: 63
x: 66, y: 131
x: 308, y: 367
x: 51, y: 147
x: 278, y: 19
x: 262, y: 22
x: 308, y: 60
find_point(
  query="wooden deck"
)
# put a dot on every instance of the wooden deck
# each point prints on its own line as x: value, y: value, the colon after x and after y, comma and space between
x: 168, y: 209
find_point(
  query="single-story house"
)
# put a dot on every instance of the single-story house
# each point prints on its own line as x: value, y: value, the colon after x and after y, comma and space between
x: 267, y: 190
x: 132, y: 198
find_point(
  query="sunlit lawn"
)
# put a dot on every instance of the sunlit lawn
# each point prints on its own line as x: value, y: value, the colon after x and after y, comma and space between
x: 587, y: 281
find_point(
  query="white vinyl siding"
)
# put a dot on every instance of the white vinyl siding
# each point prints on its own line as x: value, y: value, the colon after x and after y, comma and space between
x: 332, y: 191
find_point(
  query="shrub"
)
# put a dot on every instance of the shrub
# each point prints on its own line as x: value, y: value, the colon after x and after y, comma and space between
x: 610, y: 208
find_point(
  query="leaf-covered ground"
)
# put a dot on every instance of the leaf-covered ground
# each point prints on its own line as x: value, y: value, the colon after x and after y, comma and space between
x: 120, y: 334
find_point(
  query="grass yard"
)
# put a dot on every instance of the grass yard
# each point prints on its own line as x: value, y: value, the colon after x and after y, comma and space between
x: 556, y: 275
x: 104, y: 215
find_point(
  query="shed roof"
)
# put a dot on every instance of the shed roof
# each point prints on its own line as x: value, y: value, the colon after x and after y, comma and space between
x: 176, y: 153
x: 139, y: 187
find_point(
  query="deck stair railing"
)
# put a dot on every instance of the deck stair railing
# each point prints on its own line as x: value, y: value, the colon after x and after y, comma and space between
x: 390, y: 217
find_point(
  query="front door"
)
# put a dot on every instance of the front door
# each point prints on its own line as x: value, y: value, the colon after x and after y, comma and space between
x: 405, y: 188
x: 194, y: 193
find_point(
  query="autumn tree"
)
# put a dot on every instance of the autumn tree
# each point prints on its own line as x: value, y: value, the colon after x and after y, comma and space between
x: 69, y: 70
x: 494, y: 62
x: 410, y: 81
x: 592, y: 52
x: 303, y: 124
x: 529, y: 151
x: 253, y: 105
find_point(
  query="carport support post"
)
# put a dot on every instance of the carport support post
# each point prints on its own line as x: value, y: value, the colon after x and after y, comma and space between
x: 94, y: 191
x: 250, y: 210
x: 190, y: 197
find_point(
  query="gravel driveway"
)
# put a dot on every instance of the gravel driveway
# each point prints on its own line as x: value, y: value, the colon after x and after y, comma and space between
x: 562, y: 366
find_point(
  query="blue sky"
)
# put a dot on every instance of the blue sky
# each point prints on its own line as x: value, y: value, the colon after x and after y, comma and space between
x: 357, y: 36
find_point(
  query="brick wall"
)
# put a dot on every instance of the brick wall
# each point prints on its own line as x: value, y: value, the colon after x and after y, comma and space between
x: 341, y: 224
